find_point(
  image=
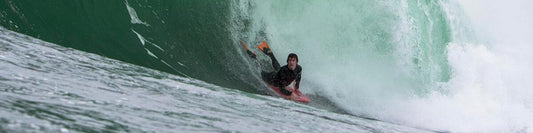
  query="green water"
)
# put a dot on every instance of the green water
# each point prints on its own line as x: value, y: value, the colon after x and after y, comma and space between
x: 192, y: 36
x: 362, y: 58
x: 200, y: 39
x: 45, y: 87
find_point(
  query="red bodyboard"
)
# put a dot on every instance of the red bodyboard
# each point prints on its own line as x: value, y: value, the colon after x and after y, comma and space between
x: 300, y: 97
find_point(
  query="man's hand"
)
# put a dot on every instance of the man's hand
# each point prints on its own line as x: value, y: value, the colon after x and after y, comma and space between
x: 294, y: 96
x: 289, y: 89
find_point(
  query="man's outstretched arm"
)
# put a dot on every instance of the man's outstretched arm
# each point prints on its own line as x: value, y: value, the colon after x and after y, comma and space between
x: 297, y: 84
x: 298, y: 77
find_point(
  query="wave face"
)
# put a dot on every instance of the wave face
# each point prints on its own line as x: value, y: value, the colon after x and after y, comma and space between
x: 429, y: 64
x: 186, y: 38
x: 45, y: 87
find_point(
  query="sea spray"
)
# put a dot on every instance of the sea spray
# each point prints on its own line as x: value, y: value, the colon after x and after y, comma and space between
x: 422, y: 63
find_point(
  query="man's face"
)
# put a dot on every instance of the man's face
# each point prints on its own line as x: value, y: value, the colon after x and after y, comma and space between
x: 292, y: 62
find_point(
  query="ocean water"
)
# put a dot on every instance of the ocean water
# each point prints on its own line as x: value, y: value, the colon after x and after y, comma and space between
x: 177, y: 66
x: 50, y: 88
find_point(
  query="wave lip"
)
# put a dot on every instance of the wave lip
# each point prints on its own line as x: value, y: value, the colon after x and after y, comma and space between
x: 429, y: 64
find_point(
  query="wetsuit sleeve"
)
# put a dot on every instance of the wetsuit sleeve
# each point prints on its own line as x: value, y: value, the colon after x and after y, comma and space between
x: 282, y: 75
x: 275, y: 62
x: 298, y: 78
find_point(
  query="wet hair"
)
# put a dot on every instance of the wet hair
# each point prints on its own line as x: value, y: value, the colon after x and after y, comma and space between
x: 292, y: 55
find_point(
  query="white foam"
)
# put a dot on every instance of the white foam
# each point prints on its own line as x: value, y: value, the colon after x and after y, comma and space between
x: 144, y: 41
x: 175, y: 68
x: 480, y: 98
x: 141, y: 38
x: 133, y: 15
x: 490, y: 89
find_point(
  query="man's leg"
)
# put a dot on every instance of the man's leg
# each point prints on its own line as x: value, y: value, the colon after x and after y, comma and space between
x: 268, y: 77
x: 275, y: 62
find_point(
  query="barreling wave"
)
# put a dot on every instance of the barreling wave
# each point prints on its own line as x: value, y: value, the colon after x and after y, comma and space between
x: 422, y: 63
x: 366, y: 52
x: 401, y: 61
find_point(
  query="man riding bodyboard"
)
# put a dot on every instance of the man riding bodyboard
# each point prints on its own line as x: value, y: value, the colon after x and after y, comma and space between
x: 280, y: 79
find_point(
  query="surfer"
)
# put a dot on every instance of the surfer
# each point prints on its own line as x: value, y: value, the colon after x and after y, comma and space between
x: 285, y: 75
x: 282, y: 76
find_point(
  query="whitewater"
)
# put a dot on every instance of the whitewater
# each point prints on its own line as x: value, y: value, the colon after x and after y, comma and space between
x: 178, y: 66
x: 458, y: 66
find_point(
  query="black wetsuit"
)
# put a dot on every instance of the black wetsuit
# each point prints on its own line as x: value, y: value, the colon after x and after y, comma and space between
x: 283, y: 76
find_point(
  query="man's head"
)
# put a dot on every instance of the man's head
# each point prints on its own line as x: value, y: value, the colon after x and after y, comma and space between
x: 292, y: 61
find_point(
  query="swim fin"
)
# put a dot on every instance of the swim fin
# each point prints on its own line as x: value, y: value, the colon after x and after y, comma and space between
x: 264, y: 47
x: 250, y: 53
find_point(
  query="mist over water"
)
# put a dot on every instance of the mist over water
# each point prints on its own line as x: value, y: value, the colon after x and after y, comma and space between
x: 445, y: 65
x: 364, y: 55
x: 489, y: 85
x: 488, y: 90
